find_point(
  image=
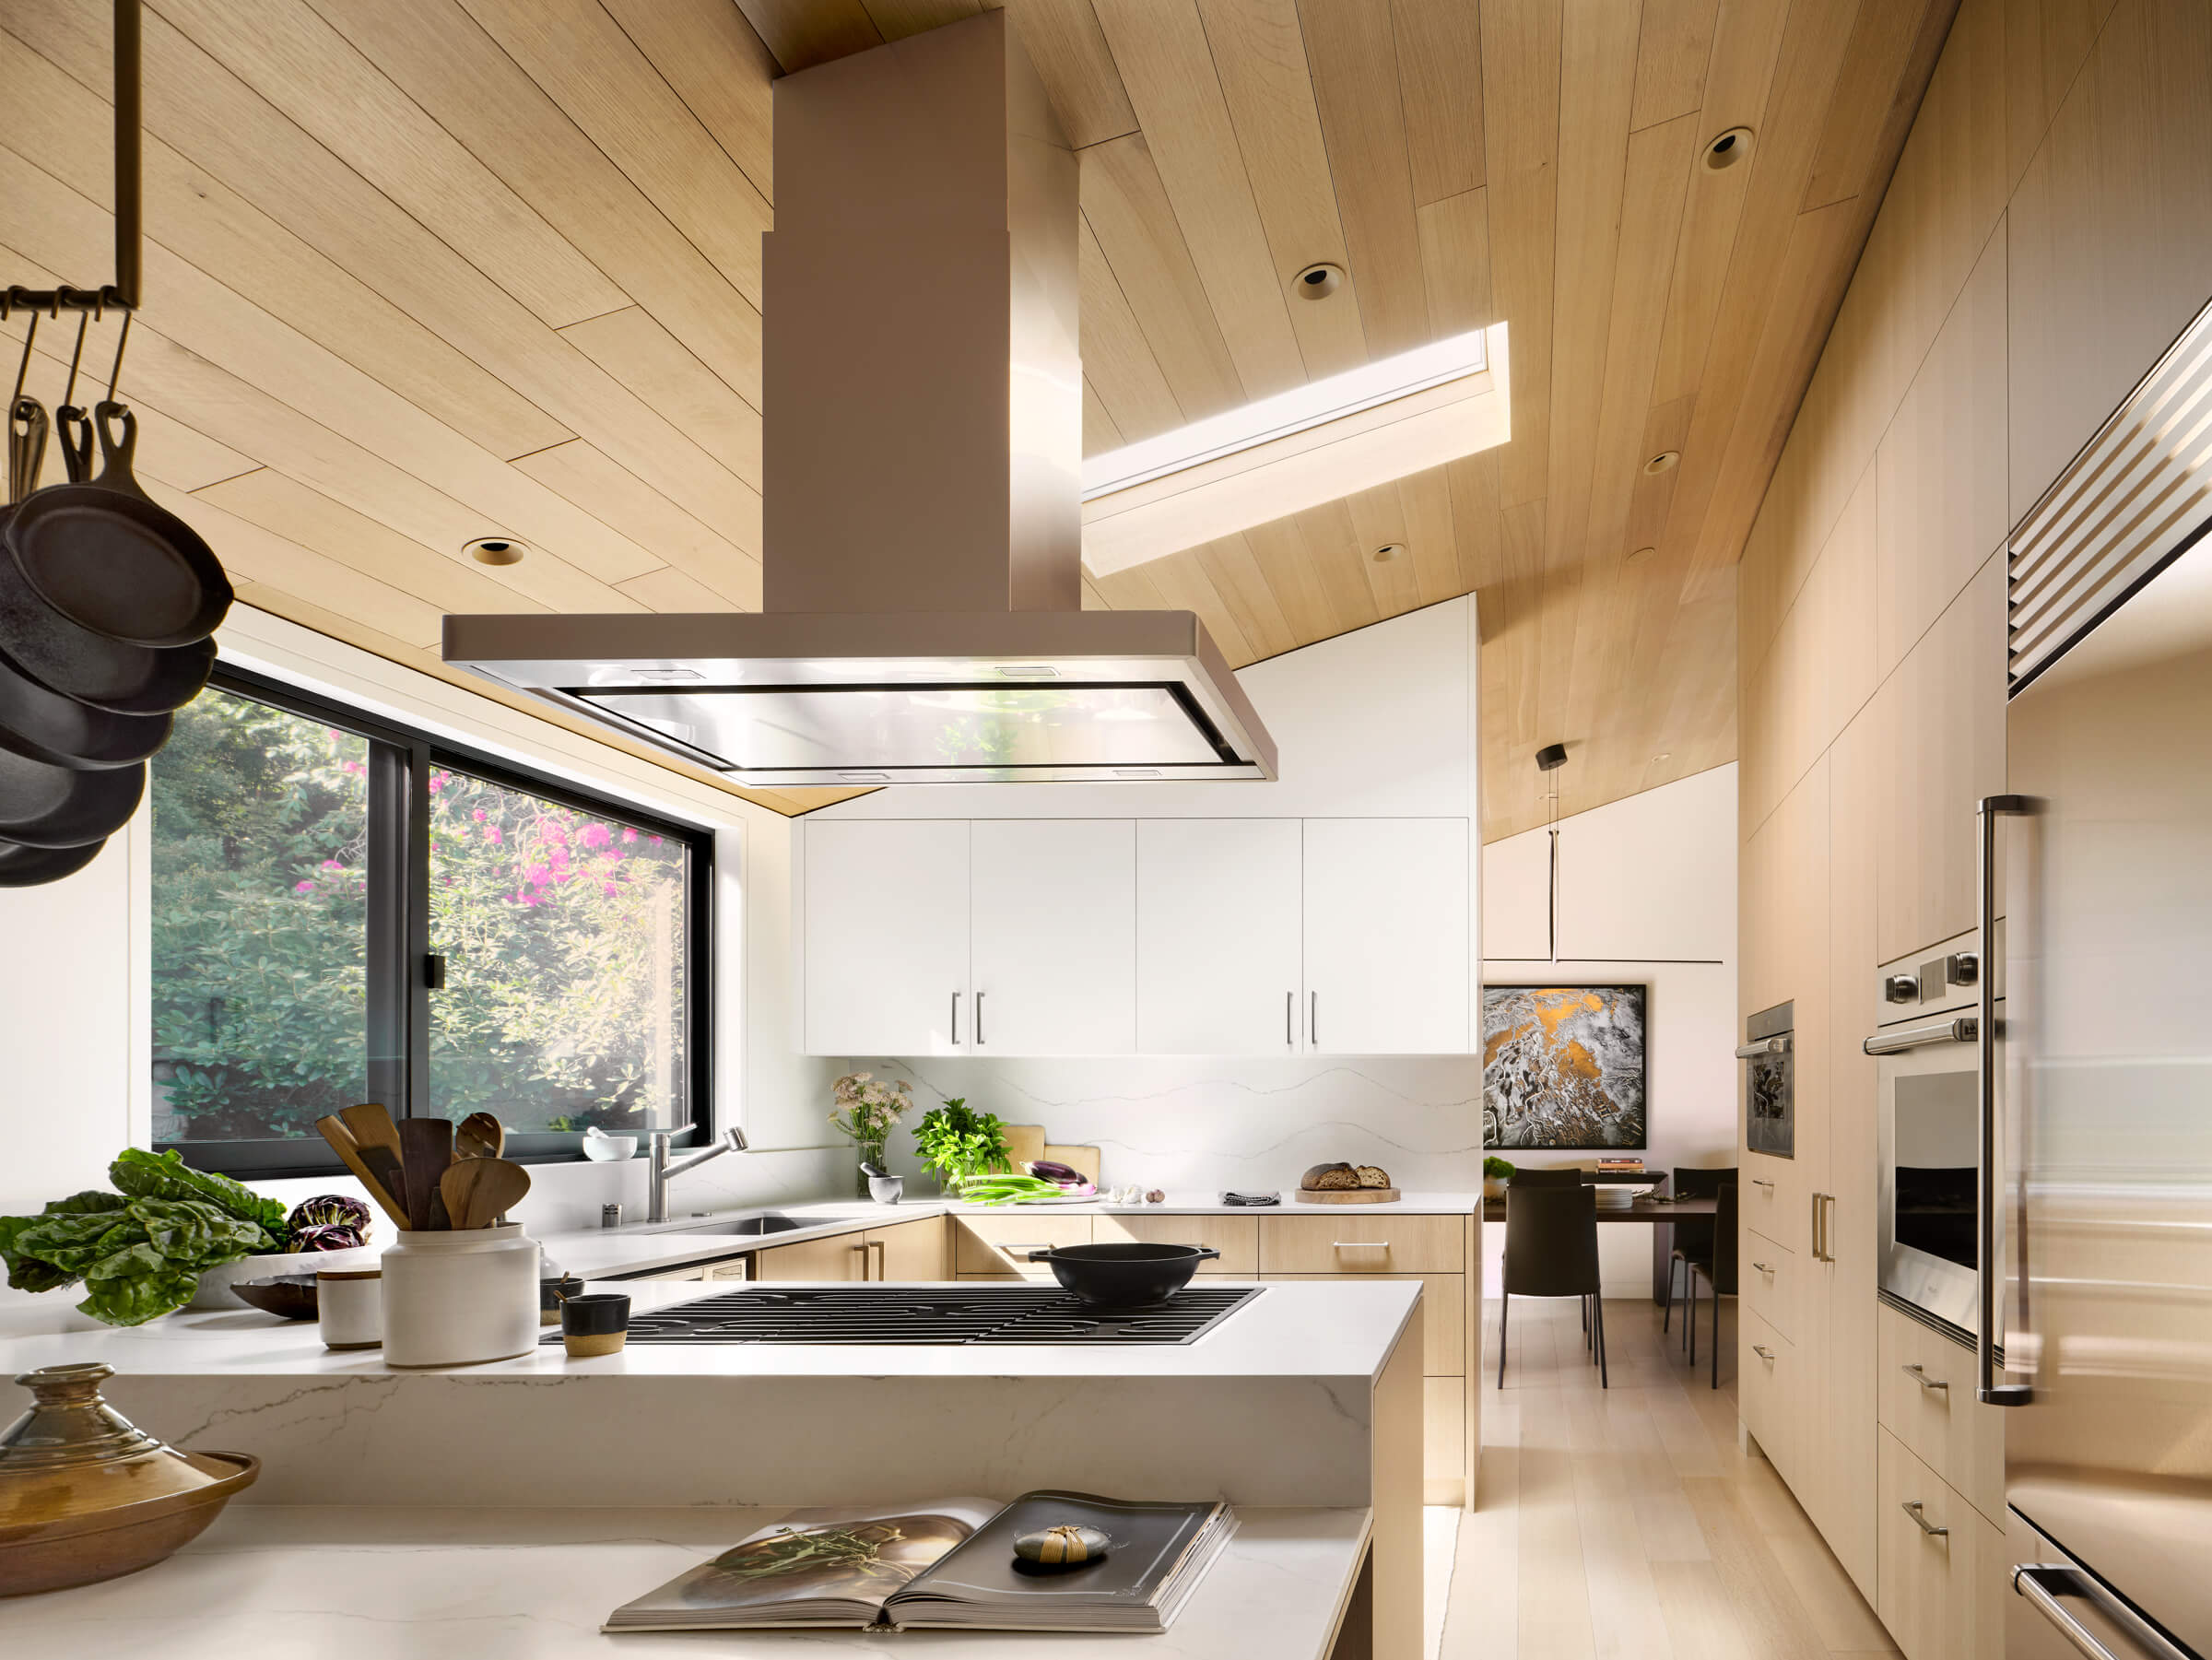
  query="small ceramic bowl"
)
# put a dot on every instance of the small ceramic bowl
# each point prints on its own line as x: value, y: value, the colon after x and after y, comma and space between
x: 608, y: 1149
x: 289, y: 1297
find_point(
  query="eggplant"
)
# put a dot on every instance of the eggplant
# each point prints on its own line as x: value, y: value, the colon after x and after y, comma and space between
x: 1064, y: 1175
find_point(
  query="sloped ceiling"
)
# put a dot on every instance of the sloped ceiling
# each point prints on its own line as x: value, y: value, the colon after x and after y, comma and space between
x: 425, y: 270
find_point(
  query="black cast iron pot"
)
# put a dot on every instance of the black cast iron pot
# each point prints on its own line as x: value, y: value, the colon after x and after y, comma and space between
x: 1125, y: 1276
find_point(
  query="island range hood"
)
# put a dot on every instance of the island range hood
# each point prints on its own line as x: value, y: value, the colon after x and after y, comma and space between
x: 921, y: 613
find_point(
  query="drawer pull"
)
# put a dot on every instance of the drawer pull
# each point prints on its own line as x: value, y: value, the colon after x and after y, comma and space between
x: 1921, y: 1377
x: 1359, y: 1244
x: 1912, y: 1507
x: 1012, y: 1245
x: 1763, y: 1352
x: 1764, y: 1267
x: 1761, y: 1181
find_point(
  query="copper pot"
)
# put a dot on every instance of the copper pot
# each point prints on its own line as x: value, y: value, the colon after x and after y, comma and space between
x: 86, y: 1495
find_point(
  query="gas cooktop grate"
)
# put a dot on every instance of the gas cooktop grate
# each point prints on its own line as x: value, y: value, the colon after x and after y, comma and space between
x: 924, y: 1315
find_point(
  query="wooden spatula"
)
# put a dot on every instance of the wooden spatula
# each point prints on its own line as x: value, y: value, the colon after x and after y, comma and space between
x: 480, y: 1137
x: 343, y: 1144
x: 477, y: 1190
x: 426, y: 1147
x: 378, y: 1139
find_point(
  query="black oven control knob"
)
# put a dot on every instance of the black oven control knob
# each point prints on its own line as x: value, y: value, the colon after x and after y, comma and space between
x: 1902, y: 988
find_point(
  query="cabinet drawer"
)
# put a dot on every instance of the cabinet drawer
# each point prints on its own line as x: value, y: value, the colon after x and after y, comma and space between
x: 1768, y: 1200
x: 1444, y: 1441
x: 840, y: 1257
x: 1349, y: 1243
x: 1769, y: 1392
x: 1236, y: 1237
x: 1942, y: 1595
x: 1000, y: 1244
x: 1443, y: 1316
x: 737, y: 1267
x: 1932, y: 1412
x: 1768, y: 1275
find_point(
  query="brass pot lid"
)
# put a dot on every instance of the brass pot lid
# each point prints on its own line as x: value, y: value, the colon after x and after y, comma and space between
x: 72, y: 1454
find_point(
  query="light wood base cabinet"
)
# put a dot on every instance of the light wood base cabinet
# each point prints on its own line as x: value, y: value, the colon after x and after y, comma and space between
x: 1940, y: 1573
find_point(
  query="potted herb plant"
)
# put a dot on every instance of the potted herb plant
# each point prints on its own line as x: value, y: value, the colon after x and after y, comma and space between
x: 867, y: 1111
x: 1496, y: 1173
x: 961, y: 1145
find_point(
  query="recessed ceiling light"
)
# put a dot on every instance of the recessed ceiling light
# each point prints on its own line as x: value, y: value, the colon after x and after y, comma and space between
x: 1730, y: 147
x: 1389, y: 552
x: 1640, y: 555
x: 1660, y: 462
x: 1318, y: 281
x: 495, y: 551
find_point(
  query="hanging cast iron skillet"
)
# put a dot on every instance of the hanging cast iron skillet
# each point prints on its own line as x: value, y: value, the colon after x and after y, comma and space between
x: 63, y: 732
x: 53, y: 806
x: 1125, y: 1274
x: 28, y: 866
x: 110, y: 560
x: 90, y: 667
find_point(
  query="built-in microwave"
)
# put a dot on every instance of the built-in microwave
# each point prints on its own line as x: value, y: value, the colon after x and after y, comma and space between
x: 1929, y: 1131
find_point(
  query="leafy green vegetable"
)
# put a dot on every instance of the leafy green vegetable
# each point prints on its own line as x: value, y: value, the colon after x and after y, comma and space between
x: 135, y: 1286
x: 188, y: 1230
x: 961, y: 1145
x: 145, y: 1175
x: 1010, y: 1190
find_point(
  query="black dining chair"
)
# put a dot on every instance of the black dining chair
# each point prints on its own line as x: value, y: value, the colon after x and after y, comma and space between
x: 1693, y: 1234
x: 1551, y: 1251
x: 1717, y: 1270
x: 1569, y: 1176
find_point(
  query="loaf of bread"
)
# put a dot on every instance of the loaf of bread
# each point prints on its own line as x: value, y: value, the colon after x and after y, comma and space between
x: 1373, y: 1175
x: 1329, y: 1178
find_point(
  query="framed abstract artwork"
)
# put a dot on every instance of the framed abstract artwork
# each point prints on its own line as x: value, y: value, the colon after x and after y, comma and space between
x: 1563, y: 1066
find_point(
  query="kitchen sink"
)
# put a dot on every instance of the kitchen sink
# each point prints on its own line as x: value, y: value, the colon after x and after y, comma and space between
x: 754, y: 1226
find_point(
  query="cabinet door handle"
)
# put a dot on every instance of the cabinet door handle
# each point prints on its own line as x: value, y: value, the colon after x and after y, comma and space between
x: 1289, y: 1013
x: 1761, y: 1181
x: 862, y: 1249
x: 1313, y: 1020
x: 956, y: 1020
x: 1763, y: 1351
x: 1912, y: 1507
x: 883, y: 1252
x: 1763, y: 1267
x: 1919, y: 1375
x: 979, y: 1020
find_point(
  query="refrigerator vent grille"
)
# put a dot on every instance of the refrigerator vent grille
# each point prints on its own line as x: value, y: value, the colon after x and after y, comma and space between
x: 2139, y: 492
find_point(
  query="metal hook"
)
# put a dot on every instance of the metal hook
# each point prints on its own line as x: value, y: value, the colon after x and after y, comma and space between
x: 23, y: 369
x: 83, y: 321
x: 122, y: 340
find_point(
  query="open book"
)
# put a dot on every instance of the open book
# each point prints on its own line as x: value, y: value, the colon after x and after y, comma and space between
x: 949, y: 1564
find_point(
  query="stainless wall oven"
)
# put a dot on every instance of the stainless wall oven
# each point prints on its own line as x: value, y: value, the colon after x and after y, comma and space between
x: 1929, y: 1131
x: 1771, y: 1081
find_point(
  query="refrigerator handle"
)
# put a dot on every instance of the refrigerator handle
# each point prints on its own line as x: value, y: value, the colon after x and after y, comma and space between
x: 1987, y: 1388
x: 2042, y: 1583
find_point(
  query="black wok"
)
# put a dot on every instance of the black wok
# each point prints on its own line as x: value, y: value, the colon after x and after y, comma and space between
x: 1125, y: 1276
x: 52, y: 806
x: 112, y: 560
x: 31, y: 867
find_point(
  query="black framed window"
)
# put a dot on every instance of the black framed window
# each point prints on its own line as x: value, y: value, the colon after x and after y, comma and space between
x: 347, y: 911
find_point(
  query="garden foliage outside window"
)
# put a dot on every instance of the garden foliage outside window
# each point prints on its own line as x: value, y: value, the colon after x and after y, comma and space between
x: 314, y: 874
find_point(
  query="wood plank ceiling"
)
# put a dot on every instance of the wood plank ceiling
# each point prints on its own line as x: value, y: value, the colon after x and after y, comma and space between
x: 425, y: 270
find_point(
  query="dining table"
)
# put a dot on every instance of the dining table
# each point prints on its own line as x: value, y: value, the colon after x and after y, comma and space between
x: 1654, y: 1209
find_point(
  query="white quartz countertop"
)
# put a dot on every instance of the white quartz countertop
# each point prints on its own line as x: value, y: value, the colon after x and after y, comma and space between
x: 1303, y: 1329
x: 395, y: 1582
x: 649, y: 1248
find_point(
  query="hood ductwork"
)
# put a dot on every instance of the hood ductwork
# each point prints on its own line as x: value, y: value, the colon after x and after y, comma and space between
x: 921, y: 584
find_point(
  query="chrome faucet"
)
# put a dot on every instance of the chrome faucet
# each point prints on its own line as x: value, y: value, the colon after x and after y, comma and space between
x: 658, y: 1170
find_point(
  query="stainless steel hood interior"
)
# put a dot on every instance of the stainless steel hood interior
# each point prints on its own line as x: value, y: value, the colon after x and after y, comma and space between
x: 922, y: 456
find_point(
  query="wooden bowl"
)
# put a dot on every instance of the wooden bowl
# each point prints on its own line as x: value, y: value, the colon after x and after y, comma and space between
x: 288, y: 1296
x: 107, y: 1544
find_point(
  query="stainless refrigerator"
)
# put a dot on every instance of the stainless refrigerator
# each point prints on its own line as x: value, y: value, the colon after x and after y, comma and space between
x: 2095, y: 1206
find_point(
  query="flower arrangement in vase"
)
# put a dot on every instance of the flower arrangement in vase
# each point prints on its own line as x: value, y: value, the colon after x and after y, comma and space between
x: 867, y: 1111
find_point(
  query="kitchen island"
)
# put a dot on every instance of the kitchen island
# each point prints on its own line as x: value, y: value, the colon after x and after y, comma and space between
x: 1308, y: 1397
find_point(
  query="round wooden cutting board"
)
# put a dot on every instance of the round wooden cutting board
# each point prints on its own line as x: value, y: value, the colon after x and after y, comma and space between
x: 1348, y: 1196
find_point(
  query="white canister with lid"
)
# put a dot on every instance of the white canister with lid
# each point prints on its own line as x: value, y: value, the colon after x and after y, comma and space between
x: 349, y: 1306
x: 454, y: 1298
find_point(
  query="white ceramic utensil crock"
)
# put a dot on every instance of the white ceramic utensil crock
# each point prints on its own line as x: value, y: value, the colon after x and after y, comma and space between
x: 454, y: 1298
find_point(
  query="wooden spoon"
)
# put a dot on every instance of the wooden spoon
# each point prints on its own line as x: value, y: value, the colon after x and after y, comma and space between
x: 427, y: 1149
x: 481, y: 1136
x: 342, y: 1143
x: 377, y: 1137
x: 477, y: 1190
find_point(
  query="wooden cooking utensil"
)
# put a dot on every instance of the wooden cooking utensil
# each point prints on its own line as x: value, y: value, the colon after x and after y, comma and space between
x: 343, y: 1144
x: 427, y: 1149
x: 477, y: 1190
x: 378, y: 1139
x: 481, y: 1136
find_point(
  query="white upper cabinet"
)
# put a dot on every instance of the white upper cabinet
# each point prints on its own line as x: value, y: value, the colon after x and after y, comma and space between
x: 1388, y: 967
x: 1219, y: 969
x: 886, y: 938
x: 1053, y: 930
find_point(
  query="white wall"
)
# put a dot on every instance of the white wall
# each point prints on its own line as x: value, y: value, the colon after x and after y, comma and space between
x: 75, y: 1072
x: 1646, y: 893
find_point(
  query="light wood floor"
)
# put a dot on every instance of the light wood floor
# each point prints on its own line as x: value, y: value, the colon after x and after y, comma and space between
x: 1624, y: 1523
